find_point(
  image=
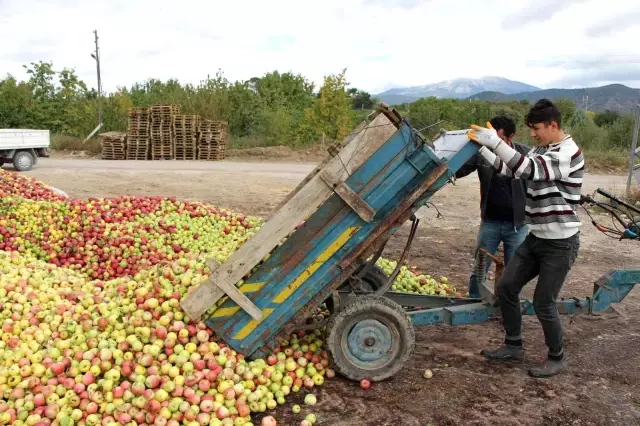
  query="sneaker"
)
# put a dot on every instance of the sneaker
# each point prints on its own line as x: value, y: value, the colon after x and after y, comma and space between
x: 548, y: 368
x: 504, y: 353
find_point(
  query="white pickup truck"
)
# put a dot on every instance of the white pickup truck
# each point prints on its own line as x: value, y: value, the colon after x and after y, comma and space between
x: 22, y: 147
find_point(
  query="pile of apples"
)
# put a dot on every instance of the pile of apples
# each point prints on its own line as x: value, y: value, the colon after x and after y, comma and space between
x: 106, y: 238
x: 92, y: 332
x: 76, y: 351
x: 29, y: 188
x: 409, y: 280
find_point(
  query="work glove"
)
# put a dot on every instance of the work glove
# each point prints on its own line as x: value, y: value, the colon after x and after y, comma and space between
x: 485, y: 136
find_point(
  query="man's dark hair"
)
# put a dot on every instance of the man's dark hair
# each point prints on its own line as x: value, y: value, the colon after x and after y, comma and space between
x: 505, y: 123
x: 544, y: 111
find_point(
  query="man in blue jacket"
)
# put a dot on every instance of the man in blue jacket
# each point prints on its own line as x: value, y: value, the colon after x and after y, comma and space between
x: 502, y: 202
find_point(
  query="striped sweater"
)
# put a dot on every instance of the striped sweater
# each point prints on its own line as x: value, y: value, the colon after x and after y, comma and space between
x: 554, y: 180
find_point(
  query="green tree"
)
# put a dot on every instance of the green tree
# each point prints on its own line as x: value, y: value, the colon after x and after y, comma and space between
x: 330, y: 112
x: 16, y: 104
x: 620, y: 132
x: 567, y: 108
x: 360, y: 99
x: 587, y: 134
x: 606, y: 118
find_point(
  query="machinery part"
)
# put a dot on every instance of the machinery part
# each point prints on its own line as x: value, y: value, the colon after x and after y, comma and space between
x: 486, y: 294
x: 23, y: 161
x: 630, y: 229
x: 371, y: 337
x: 373, y: 279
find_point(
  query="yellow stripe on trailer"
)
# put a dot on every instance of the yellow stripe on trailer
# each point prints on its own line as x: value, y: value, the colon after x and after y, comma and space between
x: 251, y: 325
x: 225, y: 312
x: 304, y: 276
x: 251, y: 287
x: 316, y: 264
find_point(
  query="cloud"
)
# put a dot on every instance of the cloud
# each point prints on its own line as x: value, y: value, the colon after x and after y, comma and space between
x: 617, y: 24
x: 383, y: 44
x: 403, y: 4
x: 628, y: 74
x: 537, y: 11
x: 588, y: 62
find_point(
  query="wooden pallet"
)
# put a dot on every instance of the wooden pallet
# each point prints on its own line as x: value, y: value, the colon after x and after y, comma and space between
x: 138, y: 156
x: 211, y: 154
x: 138, y: 142
x: 110, y: 152
x: 185, y: 139
x: 185, y: 154
x: 114, y: 145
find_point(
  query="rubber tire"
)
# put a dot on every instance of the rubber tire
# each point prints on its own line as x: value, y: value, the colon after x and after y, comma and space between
x: 370, y: 307
x: 375, y: 277
x: 20, y: 156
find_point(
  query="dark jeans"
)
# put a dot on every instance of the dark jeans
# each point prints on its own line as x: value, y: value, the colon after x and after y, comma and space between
x: 491, y: 234
x: 550, y: 261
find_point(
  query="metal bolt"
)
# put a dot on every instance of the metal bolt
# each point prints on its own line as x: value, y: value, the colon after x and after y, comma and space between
x: 369, y: 341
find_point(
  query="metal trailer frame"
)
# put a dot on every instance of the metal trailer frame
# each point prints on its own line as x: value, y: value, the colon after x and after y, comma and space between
x: 370, y: 335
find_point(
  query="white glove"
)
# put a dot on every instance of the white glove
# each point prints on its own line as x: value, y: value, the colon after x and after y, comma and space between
x: 485, y: 136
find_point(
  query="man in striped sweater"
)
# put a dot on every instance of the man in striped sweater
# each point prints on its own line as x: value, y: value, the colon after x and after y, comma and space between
x: 553, y: 173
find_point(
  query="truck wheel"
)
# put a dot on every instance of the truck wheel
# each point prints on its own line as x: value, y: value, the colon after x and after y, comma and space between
x: 23, y: 161
x: 371, y: 337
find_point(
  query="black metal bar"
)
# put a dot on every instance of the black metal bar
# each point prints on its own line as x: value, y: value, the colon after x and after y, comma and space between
x: 617, y: 200
x: 369, y: 264
x: 415, y: 300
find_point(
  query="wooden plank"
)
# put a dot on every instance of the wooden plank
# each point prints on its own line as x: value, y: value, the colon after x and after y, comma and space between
x: 284, y: 221
x: 222, y: 288
x: 364, y: 210
x: 237, y: 296
x: 320, y: 166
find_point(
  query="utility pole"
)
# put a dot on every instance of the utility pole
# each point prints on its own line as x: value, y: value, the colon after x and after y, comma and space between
x: 634, y: 151
x: 96, y: 56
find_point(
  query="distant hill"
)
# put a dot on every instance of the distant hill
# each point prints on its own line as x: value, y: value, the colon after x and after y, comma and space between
x: 458, y: 88
x: 615, y: 97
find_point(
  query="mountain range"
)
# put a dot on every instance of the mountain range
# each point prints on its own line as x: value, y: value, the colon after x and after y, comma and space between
x: 458, y: 88
x: 615, y: 97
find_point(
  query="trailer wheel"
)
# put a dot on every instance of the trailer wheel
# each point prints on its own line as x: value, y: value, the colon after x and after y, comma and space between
x: 374, y: 279
x: 371, y: 337
x: 23, y: 161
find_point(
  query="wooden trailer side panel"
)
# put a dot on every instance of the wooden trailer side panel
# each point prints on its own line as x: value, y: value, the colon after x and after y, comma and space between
x: 296, y: 272
x: 305, y: 201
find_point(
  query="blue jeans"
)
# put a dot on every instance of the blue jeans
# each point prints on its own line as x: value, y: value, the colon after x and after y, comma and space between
x: 489, y: 237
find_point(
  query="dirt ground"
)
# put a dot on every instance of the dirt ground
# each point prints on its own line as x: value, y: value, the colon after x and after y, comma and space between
x: 601, y: 386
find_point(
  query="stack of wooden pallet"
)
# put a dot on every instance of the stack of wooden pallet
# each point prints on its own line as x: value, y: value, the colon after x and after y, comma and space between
x: 114, y: 145
x: 185, y: 128
x: 162, y: 138
x: 212, y: 140
x: 138, y: 134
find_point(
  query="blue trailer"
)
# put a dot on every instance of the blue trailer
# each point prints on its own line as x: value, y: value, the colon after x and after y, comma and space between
x: 320, y: 247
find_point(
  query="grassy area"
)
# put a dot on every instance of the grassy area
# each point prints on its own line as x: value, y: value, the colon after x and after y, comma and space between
x: 72, y: 143
x: 606, y: 161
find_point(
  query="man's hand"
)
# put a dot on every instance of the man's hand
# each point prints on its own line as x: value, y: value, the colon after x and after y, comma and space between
x: 485, y: 136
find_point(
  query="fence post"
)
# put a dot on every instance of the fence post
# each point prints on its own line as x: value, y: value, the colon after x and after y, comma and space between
x: 634, y: 151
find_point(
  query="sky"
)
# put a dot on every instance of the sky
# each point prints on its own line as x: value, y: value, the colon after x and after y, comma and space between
x: 381, y: 43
